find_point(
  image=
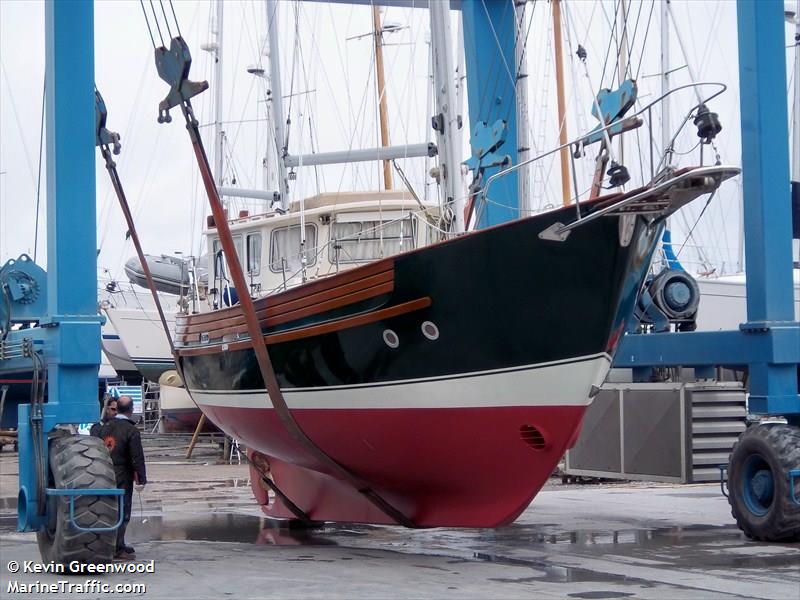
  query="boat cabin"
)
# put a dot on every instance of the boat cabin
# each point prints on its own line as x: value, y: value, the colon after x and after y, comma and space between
x: 316, y: 237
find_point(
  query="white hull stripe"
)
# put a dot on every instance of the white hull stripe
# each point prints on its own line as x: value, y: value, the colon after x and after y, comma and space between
x: 554, y: 384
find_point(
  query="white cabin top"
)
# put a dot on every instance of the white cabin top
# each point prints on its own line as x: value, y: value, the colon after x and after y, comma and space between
x: 342, y: 230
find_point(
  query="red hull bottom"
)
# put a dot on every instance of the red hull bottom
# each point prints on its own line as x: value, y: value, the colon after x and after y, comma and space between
x: 465, y: 467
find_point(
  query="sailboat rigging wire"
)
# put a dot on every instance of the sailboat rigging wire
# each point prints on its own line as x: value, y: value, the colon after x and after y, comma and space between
x: 294, y: 69
x: 409, y: 186
x: 702, y: 212
x: 490, y: 89
x: 621, y: 6
x: 527, y: 33
x: 632, y: 44
x: 610, y: 40
x: 646, y: 33
x: 512, y: 106
x: 39, y: 176
x: 500, y: 72
x: 309, y: 111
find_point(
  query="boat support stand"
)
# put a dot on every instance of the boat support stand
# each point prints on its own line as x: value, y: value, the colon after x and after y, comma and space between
x: 173, y: 67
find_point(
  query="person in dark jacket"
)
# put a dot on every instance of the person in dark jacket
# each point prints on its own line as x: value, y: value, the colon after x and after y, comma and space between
x: 124, y: 444
x: 109, y: 412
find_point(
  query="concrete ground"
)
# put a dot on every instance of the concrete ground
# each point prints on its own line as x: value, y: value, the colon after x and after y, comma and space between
x: 197, y: 522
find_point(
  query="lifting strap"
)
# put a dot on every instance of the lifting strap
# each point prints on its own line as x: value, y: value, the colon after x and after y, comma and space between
x: 173, y: 67
x: 109, y: 142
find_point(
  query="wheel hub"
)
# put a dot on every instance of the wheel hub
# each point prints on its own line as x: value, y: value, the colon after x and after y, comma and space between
x: 759, y: 486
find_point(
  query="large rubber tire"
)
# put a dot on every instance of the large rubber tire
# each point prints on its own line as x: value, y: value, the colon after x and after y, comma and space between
x: 771, y: 452
x: 80, y: 462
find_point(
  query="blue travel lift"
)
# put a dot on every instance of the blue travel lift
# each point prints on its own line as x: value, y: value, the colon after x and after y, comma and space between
x: 67, y: 487
x: 67, y: 482
x: 764, y: 467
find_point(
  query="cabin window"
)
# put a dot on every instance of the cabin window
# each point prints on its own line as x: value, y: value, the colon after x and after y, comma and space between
x: 220, y: 268
x: 363, y: 241
x: 254, y: 253
x: 284, y: 251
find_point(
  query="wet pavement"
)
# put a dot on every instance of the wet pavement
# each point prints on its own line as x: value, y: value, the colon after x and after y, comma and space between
x: 198, y: 523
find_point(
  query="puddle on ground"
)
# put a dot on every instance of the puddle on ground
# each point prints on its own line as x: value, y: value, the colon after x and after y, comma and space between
x: 600, y: 594
x: 549, y: 573
x: 525, y: 544
x: 244, y: 529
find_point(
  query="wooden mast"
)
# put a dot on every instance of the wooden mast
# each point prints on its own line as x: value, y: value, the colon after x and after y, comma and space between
x: 562, y: 133
x: 380, y: 78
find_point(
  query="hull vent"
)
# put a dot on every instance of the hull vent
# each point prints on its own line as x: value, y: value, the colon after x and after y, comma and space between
x: 533, y: 437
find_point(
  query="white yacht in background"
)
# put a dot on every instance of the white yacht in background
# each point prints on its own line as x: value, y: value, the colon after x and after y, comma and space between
x: 115, y: 353
x: 723, y: 302
x: 133, y: 337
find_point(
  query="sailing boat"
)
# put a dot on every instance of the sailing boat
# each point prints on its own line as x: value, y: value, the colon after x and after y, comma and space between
x: 403, y: 367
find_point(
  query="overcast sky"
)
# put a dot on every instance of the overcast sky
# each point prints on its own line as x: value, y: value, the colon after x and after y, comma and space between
x: 336, y: 108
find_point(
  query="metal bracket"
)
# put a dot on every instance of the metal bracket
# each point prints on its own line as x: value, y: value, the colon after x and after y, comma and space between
x: 485, y: 141
x: 765, y: 326
x: 613, y: 106
x: 723, y: 479
x: 74, y: 493
x: 104, y: 137
x: 173, y: 67
x: 555, y: 233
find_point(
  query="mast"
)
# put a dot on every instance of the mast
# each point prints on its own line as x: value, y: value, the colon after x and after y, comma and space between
x: 215, y: 49
x: 523, y: 130
x: 562, y: 118
x: 447, y: 109
x: 665, y: 115
x: 219, y: 134
x: 277, y: 100
x: 623, y: 61
x: 380, y: 79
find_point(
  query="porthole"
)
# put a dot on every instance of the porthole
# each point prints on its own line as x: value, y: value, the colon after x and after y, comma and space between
x: 430, y: 330
x: 391, y: 339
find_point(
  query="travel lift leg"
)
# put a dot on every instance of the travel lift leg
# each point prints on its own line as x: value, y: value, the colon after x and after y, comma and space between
x: 764, y: 466
x: 67, y: 490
